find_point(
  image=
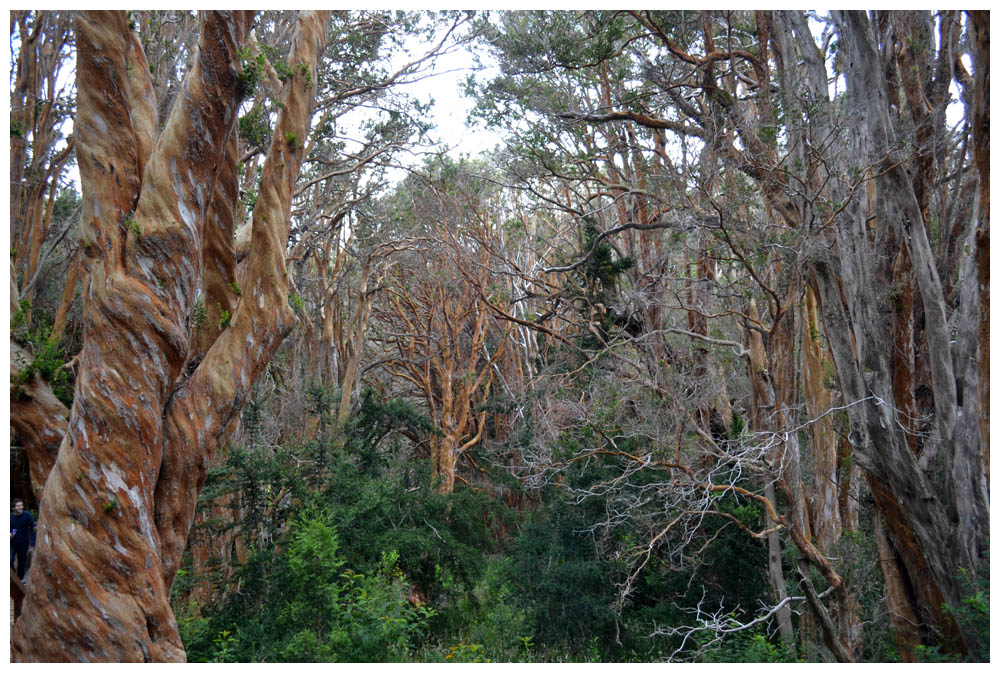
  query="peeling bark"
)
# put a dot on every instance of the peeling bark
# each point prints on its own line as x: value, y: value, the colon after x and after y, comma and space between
x: 950, y: 524
x: 926, y: 524
x: 120, y: 499
x: 219, y: 292
x: 97, y: 511
x: 200, y: 412
x: 980, y: 32
x: 38, y: 418
x: 824, y: 497
x: 905, y: 623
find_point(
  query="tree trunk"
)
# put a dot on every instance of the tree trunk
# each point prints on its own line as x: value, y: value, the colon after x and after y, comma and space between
x: 761, y: 399
x: 980, y: 23
x: 776, y: 577
x: 825, y: 495
x: 905, y: 623
x: 119, y: 502
x: 357, y: 330
x: 97, y: 553
x: 950, y: 524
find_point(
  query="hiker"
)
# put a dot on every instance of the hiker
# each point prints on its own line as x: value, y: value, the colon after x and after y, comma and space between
x: 22, y: 536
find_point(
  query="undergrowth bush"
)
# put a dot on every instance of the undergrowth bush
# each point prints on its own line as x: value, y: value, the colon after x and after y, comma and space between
x: 309, y: 607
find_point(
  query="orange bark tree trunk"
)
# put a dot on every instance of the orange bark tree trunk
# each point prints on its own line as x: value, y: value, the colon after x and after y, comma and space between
x: 119, y: 502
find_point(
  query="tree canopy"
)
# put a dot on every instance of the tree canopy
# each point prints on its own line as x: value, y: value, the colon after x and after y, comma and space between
x: 694, y: 365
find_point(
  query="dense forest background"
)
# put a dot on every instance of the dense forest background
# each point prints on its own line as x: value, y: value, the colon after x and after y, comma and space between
x: 694, y: 365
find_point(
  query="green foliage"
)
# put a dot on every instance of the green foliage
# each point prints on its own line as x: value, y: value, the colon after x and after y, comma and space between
x: 305, y: 72
x: 467, y: 654
x: 973, y: 613
x: 599, y: 277
x: 768, y: 135
x: 487, y: 620
x: 19, y: 321
x: 133, y: 226
x: 562, y: 580
x: 307, y: 607
x: 972, y: 616
x: 254, y: 128
x: 746, y: 647
x: 251, y: 68
x: 540, y: 40
x: 736, y: 426
x: 373, y: 422
x: 235, y: 287
x: 440, y: 538
x: 354, y: 501
x: 741, y: 581
x: 936, y: 654
x: 48, y: 359
x: 566, y: 566
x: 602, y: 268
x: 248, y: 201
x: 224, y: 317
x: 282, y: 70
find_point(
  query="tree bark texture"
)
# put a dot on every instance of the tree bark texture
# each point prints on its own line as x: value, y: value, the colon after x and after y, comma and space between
x: 949, y: 525
x: 934, y: 530
x: 874, y: 267
x: 120, y: 499
x: 905, y: 623
x: 38, y: 418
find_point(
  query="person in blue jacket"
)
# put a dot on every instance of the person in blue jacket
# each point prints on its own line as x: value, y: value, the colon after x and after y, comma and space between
x: 22, y: 536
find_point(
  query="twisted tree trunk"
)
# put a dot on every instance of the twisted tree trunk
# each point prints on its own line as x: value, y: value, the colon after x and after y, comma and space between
x: 120, y: 499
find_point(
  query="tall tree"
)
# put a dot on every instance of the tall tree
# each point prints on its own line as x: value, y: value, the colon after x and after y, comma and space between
x: 781, y: 189
x: 937, y: 525
x: 120, y: 499
x: 41, y: 106
x: 439, y: 335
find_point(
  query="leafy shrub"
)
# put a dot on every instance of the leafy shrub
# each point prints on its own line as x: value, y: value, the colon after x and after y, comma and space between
x: 567, y: 588
x: 469, y: 654
x: 440, y: 539
x: 747, y: 647
x: 304, y: 605
x: 487, y: 622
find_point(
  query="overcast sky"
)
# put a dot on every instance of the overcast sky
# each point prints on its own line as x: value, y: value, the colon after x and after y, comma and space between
x: 451, y: 107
